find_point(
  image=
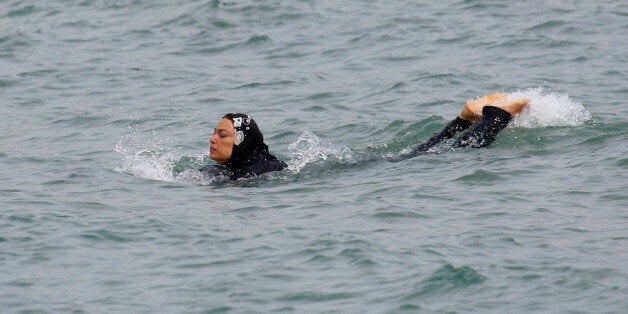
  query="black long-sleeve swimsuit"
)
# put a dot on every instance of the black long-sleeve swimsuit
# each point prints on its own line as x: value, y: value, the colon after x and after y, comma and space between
x: 258, y: 162
x: 479, y: 135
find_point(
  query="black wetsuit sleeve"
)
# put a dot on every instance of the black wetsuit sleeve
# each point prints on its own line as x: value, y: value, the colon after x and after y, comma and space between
x: 454, y: 127
x: 484, y: 133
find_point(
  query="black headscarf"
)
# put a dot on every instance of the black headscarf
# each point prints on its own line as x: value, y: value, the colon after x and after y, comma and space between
x: 248, y: 141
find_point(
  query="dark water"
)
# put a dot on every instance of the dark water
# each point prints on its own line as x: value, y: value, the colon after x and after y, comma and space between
x: 106, y: 109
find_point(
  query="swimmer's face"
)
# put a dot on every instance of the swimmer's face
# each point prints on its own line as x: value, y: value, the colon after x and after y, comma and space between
x: 221, y: 143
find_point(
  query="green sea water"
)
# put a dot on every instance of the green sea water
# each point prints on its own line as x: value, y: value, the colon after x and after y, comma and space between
x: 106, y: 108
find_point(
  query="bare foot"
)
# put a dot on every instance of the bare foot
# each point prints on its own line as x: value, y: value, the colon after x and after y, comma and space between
x: 514, y: 106
x: 472, y: 110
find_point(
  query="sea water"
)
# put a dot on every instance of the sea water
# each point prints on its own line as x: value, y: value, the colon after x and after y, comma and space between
x: 106, y: 108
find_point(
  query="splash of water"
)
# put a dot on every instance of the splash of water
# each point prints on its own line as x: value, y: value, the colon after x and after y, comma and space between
x: 171, y: 166
x: 162, y: 165
x: 308, y: 149
x: 548, y: 109
x: 151, y: 165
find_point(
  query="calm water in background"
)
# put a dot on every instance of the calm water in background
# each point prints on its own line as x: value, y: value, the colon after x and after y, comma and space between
x: 106, y: 108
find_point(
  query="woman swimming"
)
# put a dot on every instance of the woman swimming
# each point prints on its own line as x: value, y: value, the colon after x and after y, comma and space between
x: 238, y: 144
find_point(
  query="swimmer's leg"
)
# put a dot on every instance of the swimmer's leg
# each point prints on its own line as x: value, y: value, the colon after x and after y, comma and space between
x: 472, y: 110
x: 454, y: 127
x: 494, y: 120
x: 500, y: 104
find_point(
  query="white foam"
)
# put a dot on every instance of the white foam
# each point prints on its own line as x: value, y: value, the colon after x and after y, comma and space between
x: 144, y: 164
x: 548, y: 109
x: 159, y: 165
x: 308, y: 149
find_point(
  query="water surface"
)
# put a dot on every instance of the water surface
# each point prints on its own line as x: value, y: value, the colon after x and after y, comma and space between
x: 107, y: 107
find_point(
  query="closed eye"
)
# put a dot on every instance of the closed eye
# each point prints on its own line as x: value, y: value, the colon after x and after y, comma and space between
x: 222, y: 133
